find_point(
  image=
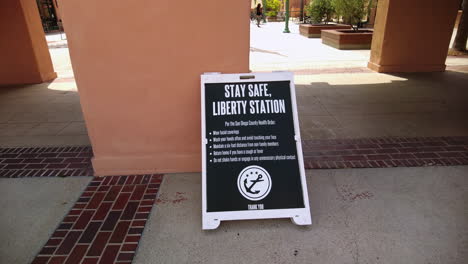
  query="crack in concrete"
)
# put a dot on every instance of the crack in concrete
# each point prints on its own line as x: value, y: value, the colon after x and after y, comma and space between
x: 252, y: 49
x: 356, y: 254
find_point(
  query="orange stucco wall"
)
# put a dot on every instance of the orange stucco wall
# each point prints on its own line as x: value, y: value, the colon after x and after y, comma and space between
x: 412, y: 36
x: 24, y: 55
x: 137, y: 66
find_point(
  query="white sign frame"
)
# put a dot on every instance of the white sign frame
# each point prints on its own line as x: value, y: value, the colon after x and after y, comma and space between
x: 299, y: 216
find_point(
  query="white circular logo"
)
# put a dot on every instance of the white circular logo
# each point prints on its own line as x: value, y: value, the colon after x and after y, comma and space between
x: 254, y: 183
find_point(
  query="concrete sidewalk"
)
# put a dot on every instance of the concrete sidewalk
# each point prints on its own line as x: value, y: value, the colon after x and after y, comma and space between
x: 47, y: 114
x: 31, y: 210
x: 273, y: 50
x: 338, y: 105
x: 365, y: 105
x: 401, y: 215
x: 398, y: 215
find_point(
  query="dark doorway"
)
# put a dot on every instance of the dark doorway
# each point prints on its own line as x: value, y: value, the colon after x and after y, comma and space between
x: 49, y: 19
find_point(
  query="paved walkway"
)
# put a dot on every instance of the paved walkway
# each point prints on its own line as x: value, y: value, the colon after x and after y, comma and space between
x: 271, y: 49
x: 410, y: 215
x: 337, y: 95
x: 350, y: 118
x: 318, y: 154
x: 398, y: 215
x: 47, y: 114
x: 382, y: 105
x: 31, y: 210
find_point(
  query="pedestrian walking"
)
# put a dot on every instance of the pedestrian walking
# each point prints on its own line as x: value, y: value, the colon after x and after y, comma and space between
x: 259, y: 13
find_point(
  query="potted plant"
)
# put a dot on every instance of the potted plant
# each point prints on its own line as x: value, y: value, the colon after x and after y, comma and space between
x: 272, y: 8
x: 352, y: 12
x: 320, y: 13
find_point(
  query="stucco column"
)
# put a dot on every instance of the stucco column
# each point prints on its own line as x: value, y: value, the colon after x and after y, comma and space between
x: 137, y: 65
x: 24, y: 55
x: 412, y: 36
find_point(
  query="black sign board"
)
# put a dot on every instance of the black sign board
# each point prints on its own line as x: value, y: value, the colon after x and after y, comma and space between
x: 252, y: 157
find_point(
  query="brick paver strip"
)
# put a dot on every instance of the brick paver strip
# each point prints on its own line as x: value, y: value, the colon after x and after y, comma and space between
x: 385, y: 152
x: 46, y: 162
x: 111, y: 237
x: 318, y: 154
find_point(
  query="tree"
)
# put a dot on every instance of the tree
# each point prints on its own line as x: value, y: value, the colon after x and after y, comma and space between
x: 369, y: 10
x: 459, y: 43
x: 272, y: 7
x: 320, y: 10
x: 352, y: 11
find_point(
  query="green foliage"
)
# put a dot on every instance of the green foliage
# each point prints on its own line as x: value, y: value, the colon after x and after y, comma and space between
x: 272, y: 7
x: 320, y: 10
x: 352, y: 11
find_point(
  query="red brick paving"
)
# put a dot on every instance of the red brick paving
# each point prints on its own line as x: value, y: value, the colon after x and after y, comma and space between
x: 46, y: 162
x: 102, y: 227
x: 107, y: 221
x: 385, y: 152
x: 318, y: 154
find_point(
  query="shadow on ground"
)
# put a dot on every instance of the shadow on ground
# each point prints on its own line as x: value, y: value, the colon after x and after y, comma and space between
x: 47, y: 114
x: 382, y: 105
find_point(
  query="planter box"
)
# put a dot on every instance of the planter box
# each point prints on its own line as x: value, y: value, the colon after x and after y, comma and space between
x: 314, y: 31
x: 274, y: 19
x: 347, y: 39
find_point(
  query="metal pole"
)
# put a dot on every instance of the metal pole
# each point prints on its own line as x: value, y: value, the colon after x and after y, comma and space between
x: 301, y: 17
x: 286, y: 22
x: 264, y: 10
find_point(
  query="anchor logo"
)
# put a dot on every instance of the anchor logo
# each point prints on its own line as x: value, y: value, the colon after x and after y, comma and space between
x: 249, y: 189
x: 254, y: 183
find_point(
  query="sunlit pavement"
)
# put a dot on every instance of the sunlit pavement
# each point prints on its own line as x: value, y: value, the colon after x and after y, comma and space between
x: 271, y: 49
